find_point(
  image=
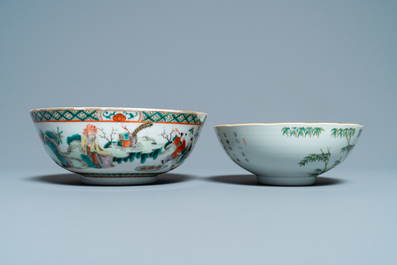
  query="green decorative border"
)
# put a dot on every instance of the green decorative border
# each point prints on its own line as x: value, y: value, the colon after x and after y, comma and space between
x: 92, y: 115
x: 127, y: 115
x: 127, y: 175
x: 301, y: 131
x: 64, y: 115
x: 157, y: 116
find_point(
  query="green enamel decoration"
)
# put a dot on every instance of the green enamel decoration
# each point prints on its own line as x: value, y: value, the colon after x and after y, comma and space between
x: 130, y: 115
x: 171, y: 117
x: 301, y: 131
x: 108, y: 115
x: 312, y: 158
x: 59, y: 134
x: 64, y: 115
x: 347, y: 133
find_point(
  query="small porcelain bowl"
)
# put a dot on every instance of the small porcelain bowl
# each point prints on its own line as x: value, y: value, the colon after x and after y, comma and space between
x: 288, y: 153
x: 118, y: 146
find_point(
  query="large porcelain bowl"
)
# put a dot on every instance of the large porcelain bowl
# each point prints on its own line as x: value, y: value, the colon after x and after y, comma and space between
x: 118, y: 146
x: 288, y: 153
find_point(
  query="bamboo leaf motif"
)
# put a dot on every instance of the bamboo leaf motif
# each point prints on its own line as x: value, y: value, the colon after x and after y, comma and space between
x: 346, y: 132
x: 337, y: 162
x: 285, y: 130
x: 317, y: 131
x: 293, y: 131
x: 308, y: 159
x: 323, y: 157
x: 316, y: 172
x: 347, y: 148
x: 334, y: 132
x: 302, y: 131
x: 358, y: 136
x: 308, y: 131
x: 350, y: 132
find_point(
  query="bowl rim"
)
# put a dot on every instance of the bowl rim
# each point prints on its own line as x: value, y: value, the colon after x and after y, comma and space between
x: 116, y: 109
x: 288, y: 124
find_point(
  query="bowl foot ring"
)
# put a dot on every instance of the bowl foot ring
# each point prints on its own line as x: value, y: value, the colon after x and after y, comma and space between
x: 118, y: 179
x: 286, y: 181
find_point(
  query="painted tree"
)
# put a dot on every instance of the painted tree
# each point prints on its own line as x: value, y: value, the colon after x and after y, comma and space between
x: 110, y: 137
x: 347, y: 133
x: 302, y: 131
x: 312, y: 158
x: 55, y: 135
x: 168, y: 136
x: 53, y: 139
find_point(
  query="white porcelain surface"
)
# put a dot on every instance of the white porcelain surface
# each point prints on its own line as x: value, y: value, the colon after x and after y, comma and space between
x: 118, y: 146
x: 288, y: 153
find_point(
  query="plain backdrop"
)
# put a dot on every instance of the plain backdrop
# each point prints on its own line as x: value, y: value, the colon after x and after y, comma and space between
x: 238, y: 61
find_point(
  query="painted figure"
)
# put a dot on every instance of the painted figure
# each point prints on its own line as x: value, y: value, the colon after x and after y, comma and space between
x: 183, y: 148
x: 93, y: 154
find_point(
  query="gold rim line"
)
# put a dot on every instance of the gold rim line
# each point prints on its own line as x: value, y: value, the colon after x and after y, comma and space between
x: 289, y: 123
x: 110, y: 121
x: 117, y: 109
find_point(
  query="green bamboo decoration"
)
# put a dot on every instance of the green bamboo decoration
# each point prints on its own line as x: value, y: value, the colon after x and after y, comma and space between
x: 323, y: 157
x: 302, y: 131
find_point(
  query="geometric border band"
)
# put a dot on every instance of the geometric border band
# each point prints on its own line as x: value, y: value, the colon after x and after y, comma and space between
x: 127, y: 116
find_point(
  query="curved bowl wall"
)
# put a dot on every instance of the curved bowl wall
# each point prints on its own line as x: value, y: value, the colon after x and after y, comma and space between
x: 288, y: 153
x: 118, y: 146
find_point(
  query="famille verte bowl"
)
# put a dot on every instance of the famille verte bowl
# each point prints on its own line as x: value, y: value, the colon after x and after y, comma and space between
x: 118, y: 146
x: 288, y: 153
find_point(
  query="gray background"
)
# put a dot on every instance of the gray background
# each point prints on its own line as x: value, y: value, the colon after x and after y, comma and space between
x: 238, y: 61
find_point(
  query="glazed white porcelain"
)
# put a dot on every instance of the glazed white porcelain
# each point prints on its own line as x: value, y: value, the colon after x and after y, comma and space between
x: 118, y: 146
x: 288, y: 153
